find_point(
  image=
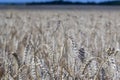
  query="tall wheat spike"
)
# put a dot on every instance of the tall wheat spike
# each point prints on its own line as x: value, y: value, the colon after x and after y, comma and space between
x: 27, y: 50
x: 33, y: 73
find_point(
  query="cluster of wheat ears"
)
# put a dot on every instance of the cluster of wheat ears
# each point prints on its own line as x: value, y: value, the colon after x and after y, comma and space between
x: 55, y: 50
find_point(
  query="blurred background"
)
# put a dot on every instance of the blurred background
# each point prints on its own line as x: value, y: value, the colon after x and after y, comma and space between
x: 17, y: 1
x: 33, y: 2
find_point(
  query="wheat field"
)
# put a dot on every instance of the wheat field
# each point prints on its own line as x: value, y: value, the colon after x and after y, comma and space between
x: 59, y: 45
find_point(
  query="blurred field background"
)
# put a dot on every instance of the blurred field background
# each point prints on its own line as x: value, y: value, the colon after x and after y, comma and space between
x: 59, y: 44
